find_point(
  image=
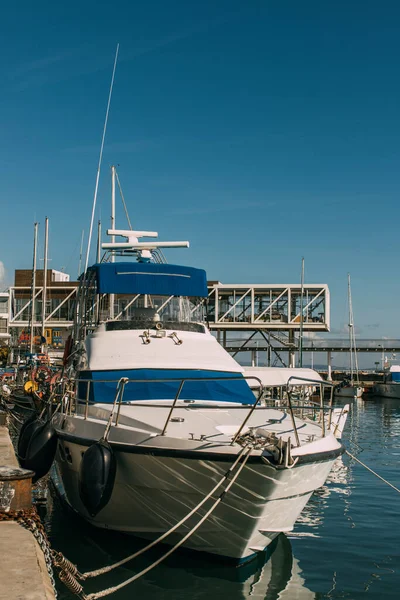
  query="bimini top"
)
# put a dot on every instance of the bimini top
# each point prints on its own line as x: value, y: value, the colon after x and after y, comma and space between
x: 150, y: 278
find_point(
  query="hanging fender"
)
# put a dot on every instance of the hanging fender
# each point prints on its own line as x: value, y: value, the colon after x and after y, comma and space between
x: 25, y: 435
x: 41, y: 450
x: 96, y: 476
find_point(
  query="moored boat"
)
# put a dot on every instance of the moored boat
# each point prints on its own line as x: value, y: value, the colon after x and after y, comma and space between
x: 390, y: 386
x: 348, y: 390
x: 161, y: 420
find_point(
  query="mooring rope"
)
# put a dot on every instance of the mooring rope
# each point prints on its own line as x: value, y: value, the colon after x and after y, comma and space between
x: 373, y: 472
x: 109, y: 568
x: 111, y: 590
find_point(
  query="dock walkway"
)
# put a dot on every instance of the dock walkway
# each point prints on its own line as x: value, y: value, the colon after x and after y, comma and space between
x: 23, y: 572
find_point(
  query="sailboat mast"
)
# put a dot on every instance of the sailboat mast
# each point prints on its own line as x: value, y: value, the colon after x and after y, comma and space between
x: 111, y: 298
x: 44, y: 293
x: 100, y: 160
x: 33, y: 286
x: 353, y: 350
x: 98, y: 253
x: 301, y: 315
x: 80, y: 254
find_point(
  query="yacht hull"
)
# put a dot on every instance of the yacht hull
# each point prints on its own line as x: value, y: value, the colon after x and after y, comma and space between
x: 152, y: 492
x: 349, y: 391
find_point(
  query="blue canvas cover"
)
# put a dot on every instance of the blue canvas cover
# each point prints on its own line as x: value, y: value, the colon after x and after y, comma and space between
x: 220, y: 386
x: 150, y: 278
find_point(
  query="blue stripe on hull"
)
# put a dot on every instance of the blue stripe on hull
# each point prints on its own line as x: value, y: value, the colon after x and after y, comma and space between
x: 221, y: 390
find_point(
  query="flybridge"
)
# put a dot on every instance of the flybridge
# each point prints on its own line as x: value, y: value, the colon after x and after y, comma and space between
x: 150, y: 278
x: 147, y: 275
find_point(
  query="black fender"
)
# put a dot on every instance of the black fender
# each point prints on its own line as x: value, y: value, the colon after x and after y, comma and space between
x: 27, y: 430
x: 41, y: 450
x: 97, y: 476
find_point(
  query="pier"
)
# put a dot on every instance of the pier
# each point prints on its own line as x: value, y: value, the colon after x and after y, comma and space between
x: 23, y: 573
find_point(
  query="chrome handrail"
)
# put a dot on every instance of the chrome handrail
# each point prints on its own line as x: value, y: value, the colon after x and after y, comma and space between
x: 117, y: 399
x: 248, y: 415
x: 322, y: 385
x: 121, y: 383
x: 293, y: 380
x: 173, y: 406
x: 87, y: 398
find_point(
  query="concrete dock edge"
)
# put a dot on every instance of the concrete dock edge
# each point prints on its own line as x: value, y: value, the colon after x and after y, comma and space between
x: 23, y: 572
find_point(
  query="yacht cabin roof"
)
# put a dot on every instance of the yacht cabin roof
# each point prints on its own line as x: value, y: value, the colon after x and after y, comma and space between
x: 150, y: 278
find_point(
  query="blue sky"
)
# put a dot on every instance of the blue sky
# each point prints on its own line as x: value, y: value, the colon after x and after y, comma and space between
x: 261, y: 131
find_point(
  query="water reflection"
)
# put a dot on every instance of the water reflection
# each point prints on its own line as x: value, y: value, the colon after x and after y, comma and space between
x: 274, y: 574
x: 346, y: 549
x: 353, y: 518
x: 310, y: 522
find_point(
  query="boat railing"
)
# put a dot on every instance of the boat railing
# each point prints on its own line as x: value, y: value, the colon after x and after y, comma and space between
x: 308, y: 400
x: 297, y: 401
x: 123, y: 382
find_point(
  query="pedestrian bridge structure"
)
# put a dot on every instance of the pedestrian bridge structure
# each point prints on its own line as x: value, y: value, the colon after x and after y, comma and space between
x: 268, y: 307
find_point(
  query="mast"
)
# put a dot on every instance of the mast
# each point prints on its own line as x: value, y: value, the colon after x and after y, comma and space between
x: 98, y: 258
x: 33, y: 285
x: 80, y: 254
x: 44, y: 293
x: 111, y: 297
x: 301, y: 315
x: 353, y: 350
x: 98, y: 255
x: 100, y: 160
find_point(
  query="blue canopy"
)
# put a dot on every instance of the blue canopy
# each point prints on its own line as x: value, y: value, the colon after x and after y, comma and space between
x: 150, y: 278
x: 163, y: 384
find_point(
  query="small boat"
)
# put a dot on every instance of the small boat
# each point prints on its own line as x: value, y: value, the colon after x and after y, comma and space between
x: 160, y: 424
x: 390, y: 386
x: 348, y: 390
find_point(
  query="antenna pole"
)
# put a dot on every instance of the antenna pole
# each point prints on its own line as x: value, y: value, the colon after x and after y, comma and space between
x: 111, y: 296
x: 98, y: 241
x: 100, y: 160
x: 80, y: 254
x: 301, y: 315
x: 113, y: 205
x: 44, y: 292
x: 33, y: 286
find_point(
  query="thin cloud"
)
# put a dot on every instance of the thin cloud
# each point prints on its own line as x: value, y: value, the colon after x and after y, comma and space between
x: 177, y: 37
x: 90, y: 62
x: 224, y: 208
x: 41, y: 63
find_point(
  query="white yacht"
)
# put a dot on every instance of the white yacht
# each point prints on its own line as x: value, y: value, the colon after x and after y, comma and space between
x: 160, y: 428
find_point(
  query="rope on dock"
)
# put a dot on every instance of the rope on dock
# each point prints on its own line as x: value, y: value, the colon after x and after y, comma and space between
x: 373, y: 472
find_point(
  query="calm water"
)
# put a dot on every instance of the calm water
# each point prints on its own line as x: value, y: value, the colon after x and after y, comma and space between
x: 345, y: 544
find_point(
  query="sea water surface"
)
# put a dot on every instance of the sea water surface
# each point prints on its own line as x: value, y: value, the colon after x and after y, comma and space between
x: 345, y: 544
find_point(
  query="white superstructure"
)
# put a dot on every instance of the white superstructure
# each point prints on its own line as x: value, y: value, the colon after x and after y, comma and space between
x: 179, y: 418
